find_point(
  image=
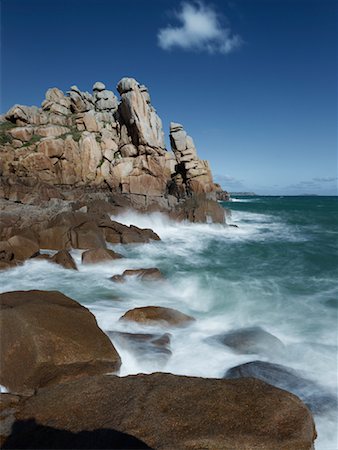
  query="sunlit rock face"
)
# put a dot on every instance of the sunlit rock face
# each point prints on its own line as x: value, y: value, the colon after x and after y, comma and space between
x: 81, y: 139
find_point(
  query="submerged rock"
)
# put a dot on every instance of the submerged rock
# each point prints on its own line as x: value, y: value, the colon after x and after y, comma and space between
x: 46, y: 338
x: 152, y: 347
x: 316, y: 398
x: 174, y: 412
x: 251, y: 340
x: 144, y: 274
x: 152, y: 315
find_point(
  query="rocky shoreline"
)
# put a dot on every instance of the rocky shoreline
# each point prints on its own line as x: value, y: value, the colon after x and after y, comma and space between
x: 55, y: 361
x: 66, y: 168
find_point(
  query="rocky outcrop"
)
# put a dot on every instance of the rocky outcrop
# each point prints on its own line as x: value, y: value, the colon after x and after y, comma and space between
x: 95, y: 140
x: 152, y: 315
x: 143, y: 274
x: 46, y: 338
x: 174, y: 412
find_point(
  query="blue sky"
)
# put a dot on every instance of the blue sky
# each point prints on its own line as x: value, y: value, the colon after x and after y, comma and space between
x: 253, y: 81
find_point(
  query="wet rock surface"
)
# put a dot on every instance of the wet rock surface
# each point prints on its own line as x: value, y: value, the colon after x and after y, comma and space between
x: 152, y: 315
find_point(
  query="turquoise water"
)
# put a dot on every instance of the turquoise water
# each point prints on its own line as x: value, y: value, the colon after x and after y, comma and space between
x: 277, y: 270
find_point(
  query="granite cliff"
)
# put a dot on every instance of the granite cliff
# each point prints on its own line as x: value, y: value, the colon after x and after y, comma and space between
x: 96, y: 141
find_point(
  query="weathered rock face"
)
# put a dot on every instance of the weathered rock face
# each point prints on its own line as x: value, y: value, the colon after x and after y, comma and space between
x: 46, y: 338
x: 93, y: 139
x: 142, y: 122
x: 195, y: 173
x: 173, y: 412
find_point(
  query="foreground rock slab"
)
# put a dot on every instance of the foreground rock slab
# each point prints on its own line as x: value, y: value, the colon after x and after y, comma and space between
x: 46, y: 338
x: 173, y: 412
x: 157, y: 315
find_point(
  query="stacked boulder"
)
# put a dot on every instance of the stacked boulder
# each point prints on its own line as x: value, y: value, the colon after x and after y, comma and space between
x: 196, y: 173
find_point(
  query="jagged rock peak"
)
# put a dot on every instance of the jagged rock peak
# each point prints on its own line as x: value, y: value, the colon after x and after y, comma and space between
x: 143, y: 124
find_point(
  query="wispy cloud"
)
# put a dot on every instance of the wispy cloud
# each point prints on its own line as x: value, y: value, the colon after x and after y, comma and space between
x: 318, y: 185
x: 230, y: 183
x: 200, y: 29
x: 326, y: 180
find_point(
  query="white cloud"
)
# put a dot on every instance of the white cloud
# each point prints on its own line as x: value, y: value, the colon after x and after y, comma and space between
x: 200, y: 29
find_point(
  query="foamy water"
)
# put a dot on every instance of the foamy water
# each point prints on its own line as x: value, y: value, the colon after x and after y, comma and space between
x: 225, y: 277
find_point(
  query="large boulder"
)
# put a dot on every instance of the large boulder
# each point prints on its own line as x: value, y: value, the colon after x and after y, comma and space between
x: 72, y: 229
x: 317, y: 399
x: 46, y: 338
x: 117, y: 233
x: 174, y: 412
x: 22, y: 247
x: 157, y: 315
x: 64, y: 259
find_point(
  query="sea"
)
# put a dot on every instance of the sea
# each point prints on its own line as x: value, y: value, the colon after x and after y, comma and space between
x: 277, y: 269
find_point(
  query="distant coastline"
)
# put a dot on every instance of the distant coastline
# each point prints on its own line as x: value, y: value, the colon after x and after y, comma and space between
x: 251, y: 194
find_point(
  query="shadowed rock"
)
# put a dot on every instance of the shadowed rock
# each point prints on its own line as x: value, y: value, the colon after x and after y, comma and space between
x: 46, y: 338
x: 174, y: 412
x: 27, y: 434
x: 152, y: 315
x: 315, y: 397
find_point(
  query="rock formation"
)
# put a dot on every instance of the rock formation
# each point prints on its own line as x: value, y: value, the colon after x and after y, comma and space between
x: 82, y: 139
